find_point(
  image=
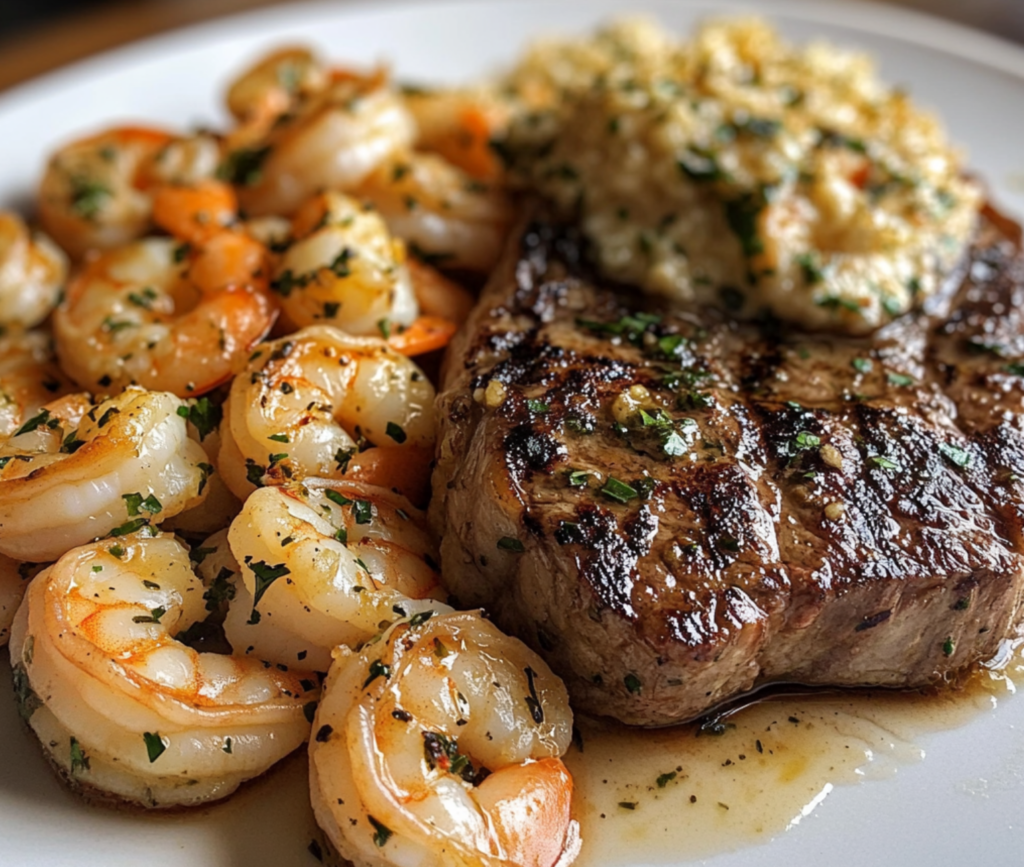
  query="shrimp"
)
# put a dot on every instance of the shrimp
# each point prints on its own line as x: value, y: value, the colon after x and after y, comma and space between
x: 333, y: 140
x: 126, y: 712
x: 29, y: 378
x: 32, y: 273
x: 351, y: 557
x: 273, y: 85
x: 439, y: 210
x: 439, y: 745
x: 307, y: 404
x: 75, y: 471
x: 94, y: 192
x: 459, y: 125
x: 344, y: 268
x: 174, y: 317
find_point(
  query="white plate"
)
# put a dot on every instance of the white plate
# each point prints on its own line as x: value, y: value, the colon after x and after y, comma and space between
x: 960, y: 806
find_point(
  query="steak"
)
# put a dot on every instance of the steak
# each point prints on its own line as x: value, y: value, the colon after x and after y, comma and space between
x: 675, y: 508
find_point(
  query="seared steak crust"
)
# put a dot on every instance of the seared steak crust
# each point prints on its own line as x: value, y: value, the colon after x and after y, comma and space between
x: 787, y: 507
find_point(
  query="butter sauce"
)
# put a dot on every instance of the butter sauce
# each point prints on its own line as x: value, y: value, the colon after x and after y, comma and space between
x: 679, y: 794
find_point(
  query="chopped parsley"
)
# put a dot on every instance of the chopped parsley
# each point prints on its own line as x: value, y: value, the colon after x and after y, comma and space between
x: 619, y: 491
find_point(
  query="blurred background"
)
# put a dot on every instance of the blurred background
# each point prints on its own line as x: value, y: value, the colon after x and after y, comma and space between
x: 39, y: 35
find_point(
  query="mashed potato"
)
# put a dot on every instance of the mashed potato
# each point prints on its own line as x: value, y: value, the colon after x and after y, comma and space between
x: 736, y: 169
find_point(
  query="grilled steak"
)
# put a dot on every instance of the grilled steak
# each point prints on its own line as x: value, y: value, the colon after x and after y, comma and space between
x: 765, y: 507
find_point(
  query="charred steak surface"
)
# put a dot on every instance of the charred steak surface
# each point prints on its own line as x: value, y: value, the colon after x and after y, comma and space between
x: 674, y: 509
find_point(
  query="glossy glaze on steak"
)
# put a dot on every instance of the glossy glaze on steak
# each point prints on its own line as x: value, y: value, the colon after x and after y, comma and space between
x: 787, y: 508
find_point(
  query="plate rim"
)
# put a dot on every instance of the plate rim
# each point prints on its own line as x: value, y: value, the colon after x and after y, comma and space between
x: 910, y: 26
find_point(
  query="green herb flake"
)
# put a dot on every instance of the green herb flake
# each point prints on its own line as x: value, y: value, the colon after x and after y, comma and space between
x: 955, y: 454
x: 153, y: 616
x: 396, y: 432
x: 899, y: 379
x: 381, y: 832
x: 664, y: 779
x: 243, y: 166
x: 362, y: 511
x: 633, y: 684
x: 619, y: 491
x: 537, y: 407
x: 377, y: 669
x: 88, y: 197
x: 577, y: 478
x: 129, y: 527
x: 509, y: 543
x: 79, y: 760
x: 37, y: 421
x: 336, y: 498
x: 884, y: 463
x: 155, y: 745
x: 861, y: 365
x: 265, y: 575
x: 948, y: 646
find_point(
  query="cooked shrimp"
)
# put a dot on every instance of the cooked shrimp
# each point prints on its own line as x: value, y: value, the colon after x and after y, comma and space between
x: 75, y: 471
x: 440, y: 745
x: 459, y: 125
x: 175, y: 317
x: 332, y: 141
x: 29, y: 378
x: 327, y: 564
x: 344, y: 268
x: 91, y: 195
x: 126, y: 712
x: 439, y: 210
x: 272, y: 85
x: 307, y: 404
x: 32, y: 272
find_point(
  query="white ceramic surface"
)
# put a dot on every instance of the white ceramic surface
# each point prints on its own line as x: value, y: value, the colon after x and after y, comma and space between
x: 960, y: 806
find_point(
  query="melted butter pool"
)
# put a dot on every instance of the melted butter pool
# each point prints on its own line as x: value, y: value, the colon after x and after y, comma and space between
x: 679, y: 794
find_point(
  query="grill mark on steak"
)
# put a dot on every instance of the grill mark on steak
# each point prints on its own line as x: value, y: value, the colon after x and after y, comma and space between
x: 843, y: 511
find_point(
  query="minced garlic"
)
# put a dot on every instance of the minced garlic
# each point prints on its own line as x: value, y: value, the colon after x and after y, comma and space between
x: 739, y: 170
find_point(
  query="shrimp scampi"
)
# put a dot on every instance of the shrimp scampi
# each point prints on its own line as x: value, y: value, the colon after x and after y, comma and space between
x: 95, y: 192
x: 165, y: 314
x: 444, y: 214
x: 344, y: 268
x: 75, y: 471
x: 124, y: 711
x: 439, y: 744
x: 32, y: 273
x: 29, y: 378
x: 332, y: 140
x: 325, y: 564
x: 312, y: 405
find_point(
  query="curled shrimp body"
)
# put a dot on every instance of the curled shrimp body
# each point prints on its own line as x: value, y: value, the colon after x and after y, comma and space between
x: 32, y: 272
x: 307, y: 403
x: 439, y: 210
x: 272, y: 85
x: 460, y: 125
x: 332, y: 140
x: 325, y: 565
x: 167, y: 316
x: 29, y: 378
x: 125, y: 712
x: 344, y: 268
x: 94, y: 193
x: 439, y: 745
x: 75, y: 471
